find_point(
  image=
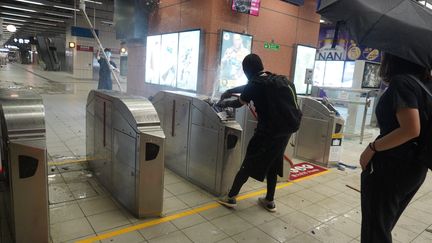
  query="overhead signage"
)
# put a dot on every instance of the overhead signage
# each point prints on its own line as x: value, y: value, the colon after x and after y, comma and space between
x: 85, y: 48
x: 83, y: 32
x: 246, y: 6
x: 272, y: 46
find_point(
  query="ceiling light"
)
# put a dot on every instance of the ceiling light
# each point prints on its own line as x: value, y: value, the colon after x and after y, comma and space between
x: 67, y: 8
x: 322, y: 21
x: 11, y: 28
x: 31, y: 2
x: 16, y: 8
x: 19, y: 20
x: 91, y: 1
x: 60, y: 15
x: 44, y: 23
x: 18, y: 15
x: 53, y: 20
x: 14, y: 23
x: 21, y: 41
x: 424, y: 3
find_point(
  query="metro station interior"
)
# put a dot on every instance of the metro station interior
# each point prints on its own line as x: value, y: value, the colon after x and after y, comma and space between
x: 148, y: 160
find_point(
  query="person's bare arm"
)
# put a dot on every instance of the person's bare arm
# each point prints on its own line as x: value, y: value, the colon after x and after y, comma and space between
x: 409, y: 128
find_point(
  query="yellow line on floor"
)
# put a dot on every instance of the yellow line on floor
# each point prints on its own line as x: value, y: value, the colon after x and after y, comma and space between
x: 64, y: 162
x: 187, y: 213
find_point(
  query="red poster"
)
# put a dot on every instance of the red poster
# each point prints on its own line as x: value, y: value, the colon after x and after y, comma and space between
x: 85, y: 48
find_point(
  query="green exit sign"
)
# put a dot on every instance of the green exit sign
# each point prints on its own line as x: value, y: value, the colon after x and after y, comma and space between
x: 272, y: 46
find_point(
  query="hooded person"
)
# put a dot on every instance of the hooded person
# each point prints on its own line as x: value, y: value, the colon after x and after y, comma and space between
x: 105, y: 81
x: 265, y: 151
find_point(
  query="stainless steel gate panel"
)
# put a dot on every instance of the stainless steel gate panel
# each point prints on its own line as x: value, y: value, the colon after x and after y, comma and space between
x: 128, y: 149
x: 23, y: 155
x: 28, y: 173
x: 320, y: 126
x: 205, y: 144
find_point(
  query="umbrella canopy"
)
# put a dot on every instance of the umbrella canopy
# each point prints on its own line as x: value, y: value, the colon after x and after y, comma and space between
x: 400, y: 27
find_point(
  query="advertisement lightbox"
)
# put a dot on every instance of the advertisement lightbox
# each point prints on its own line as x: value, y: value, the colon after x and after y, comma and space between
x: 168, y: 64
x: 172, y: 59
x: 305, y: 59
x: 188, y: 60
x: 234, y: 48
x: 153, y: 59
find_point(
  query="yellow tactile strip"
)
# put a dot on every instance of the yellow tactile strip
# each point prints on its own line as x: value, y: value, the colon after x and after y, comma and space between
x: 186, y: 213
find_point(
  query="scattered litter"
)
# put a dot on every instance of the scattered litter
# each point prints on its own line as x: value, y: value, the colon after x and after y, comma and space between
x: 351, y: 187
x: 429, y: 230
x: 313, y: 232
x: 342, y: 166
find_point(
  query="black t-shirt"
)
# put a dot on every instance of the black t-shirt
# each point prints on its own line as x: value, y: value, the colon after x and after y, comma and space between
x: 256, y: 93
x: 401, y: 93
x: 104, y: 70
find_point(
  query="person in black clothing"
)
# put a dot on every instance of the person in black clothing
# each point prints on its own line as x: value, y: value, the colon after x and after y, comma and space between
x: 391, y: 173
x: 264, y: 155
x: 105, y: 81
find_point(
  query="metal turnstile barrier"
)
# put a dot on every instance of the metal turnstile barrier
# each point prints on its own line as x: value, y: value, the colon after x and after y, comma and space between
x: 23, y: 156
x: 125, y: 144
x: 319, y: 138
x: 203, y: 143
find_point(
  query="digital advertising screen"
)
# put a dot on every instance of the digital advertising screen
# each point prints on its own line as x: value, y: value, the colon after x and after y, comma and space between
x: 153, y: 59
x: 305, y: 59
x: 247, y: 6
x: 234, y: 48
x: 371, y: 78
x: 188, y: 60
x: 173, y: 59
x: 168, y: 64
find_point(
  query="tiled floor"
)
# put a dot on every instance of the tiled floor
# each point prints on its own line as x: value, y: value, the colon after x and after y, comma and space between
x: 320, y: 209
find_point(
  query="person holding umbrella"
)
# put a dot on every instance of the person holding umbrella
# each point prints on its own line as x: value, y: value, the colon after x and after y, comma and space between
x: 395, y: 164
x: 391, y: 172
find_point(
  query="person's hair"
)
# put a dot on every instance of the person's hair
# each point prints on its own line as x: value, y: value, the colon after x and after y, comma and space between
x: 392, y: 65
x: 252, y: 65
x: 107, y: 49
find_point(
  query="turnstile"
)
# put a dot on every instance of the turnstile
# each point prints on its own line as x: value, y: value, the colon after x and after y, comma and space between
x: 125, y: 144
x: 23, y: 156
x: 203, y: 143
x: 249, y: 123
x: 319, y: 138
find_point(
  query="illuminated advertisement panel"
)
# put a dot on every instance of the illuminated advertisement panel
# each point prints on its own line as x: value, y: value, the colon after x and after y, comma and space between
x: 153, y: 59
x: 188, y: 60
x: 173, y: 59
x: 234, y: 48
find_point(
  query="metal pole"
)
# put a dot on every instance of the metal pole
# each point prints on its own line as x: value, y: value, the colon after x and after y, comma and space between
x: 75, y: 20
x: 367, y: 104
x: 82, y: 7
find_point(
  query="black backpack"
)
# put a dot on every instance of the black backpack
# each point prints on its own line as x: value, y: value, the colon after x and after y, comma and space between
x: 284, y: 112
x: 424, y: 143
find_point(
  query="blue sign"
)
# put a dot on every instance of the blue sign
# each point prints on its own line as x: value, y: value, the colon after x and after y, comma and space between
x: 82, y: 32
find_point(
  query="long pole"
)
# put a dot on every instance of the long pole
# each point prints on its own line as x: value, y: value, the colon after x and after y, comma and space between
x: 82, y: 7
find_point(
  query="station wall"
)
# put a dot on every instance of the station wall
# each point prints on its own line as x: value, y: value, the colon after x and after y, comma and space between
x: 278, y: 21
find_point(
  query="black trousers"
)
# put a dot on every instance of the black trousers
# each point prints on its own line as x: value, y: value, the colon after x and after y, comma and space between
x: 387, y: 187
x: 242, y: 176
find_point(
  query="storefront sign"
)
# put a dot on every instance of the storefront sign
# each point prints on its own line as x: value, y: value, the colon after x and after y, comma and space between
x: 85, y: 48
x: 246, y: 6
x: 272, y: 46
x: 304, y: 170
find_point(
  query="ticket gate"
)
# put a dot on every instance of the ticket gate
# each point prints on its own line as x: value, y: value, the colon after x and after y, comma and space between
x: 203, y: 142
x: 125, y: 144
x: 23, y: 157
x: 320, y: 136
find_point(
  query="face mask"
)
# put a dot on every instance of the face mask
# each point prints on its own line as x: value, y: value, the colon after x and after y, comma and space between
x: 108, y: 54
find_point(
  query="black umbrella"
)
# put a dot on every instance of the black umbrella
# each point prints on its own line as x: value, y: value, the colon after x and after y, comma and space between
x: 400, y: 27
